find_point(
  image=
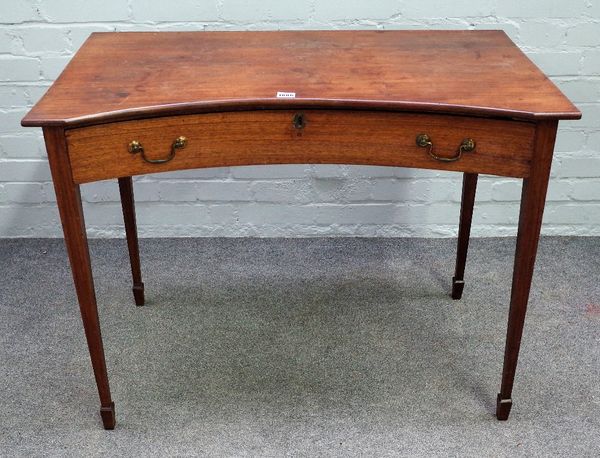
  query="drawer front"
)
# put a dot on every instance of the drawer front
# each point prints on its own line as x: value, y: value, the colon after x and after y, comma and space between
x: 502, y: 147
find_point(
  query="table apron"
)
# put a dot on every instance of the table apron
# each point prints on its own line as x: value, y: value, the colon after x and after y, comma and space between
x: 502, y: 147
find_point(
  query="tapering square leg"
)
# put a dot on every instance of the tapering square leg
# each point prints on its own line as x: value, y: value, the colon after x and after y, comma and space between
x: 530, y: 222
x: 128, y: 206
x: 68, y: 198
x: 464, y: 232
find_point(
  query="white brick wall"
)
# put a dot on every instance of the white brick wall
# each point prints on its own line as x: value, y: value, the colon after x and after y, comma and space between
x: 37, y: 38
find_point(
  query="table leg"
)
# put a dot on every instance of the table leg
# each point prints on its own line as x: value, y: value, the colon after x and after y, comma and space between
x: 68, y: 199
x: 464, y: 232
x: 128, y: 205
x: 530, y: 222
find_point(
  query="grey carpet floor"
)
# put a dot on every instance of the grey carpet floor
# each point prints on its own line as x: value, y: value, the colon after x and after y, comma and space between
x: 301, y: 347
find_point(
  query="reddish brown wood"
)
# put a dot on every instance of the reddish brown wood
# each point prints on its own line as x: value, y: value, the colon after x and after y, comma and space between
x: 68, y: 199
x: 367, y: 77
x: 118, y: 76
x: 530, y: 223
x: 268, y: 137
x: 128, y: 206
x: 464, y: 232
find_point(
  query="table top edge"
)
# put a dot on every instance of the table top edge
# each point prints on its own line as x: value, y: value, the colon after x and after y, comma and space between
x: 190, y: 108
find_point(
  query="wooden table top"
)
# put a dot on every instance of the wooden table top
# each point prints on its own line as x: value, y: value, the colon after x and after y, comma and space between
x: 132, y: 75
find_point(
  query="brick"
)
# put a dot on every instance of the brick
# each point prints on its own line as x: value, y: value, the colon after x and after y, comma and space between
x: 328, y: 171
x: 151, y: 27
x: 48, y: 192
x: 184, y: 11
x: 13, y: 96
x: 101, y: 191
x: 507, y: 190
x: 223, y: 191
x: 178, y: 215
x: 78, y: 33
x: 339, y: 190
x: 418, y: 190
x: 145, y: 192
x: 223, y: 214
x: 586, y: 34
x: 542, y: 34
x: 19, y: 68
x: 281, y: 191
x: 510, y: 29
x: 52, y: 66
x: 394, y: 190
x: 15, y: 12
x: 569, y: 140
x: 62, y: 11
x: 446, y: 24
x: 279, y: 11
x: 593, y: 141
x: 558, y: 190
x: 29, y: 221
x: 555, y: 63
x: 263, y: 213
x: 205, y: 191
x: 103, y: 215
x: 178, y: 191
x: 430, y: 213
x: 427, y: 9
x: 10, y: 121
x: 37, y: 91
x: 591, y: 62
x: 9, y: 43
x: 22, y: 146
x: 484, y: 188
x: 38, y: 40
x: 357, y: 191
x: 23, y: 192
x: 549, y: 8
x: 555, y: 166
x: 579, y: 167
x: 353, y: 9
x: 396, y: 23
x: 31, y: 170
x: 504, y: 213
x: 270, y: 172
x: 586, y: 189
x: 590, y: 116
x: 572, y: 214
x: 580, y: 90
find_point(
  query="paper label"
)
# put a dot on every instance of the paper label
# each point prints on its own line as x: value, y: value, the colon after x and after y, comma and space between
x: 286, y: 95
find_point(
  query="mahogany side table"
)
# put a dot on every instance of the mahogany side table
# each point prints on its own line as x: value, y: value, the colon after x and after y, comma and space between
x: 139, y: 103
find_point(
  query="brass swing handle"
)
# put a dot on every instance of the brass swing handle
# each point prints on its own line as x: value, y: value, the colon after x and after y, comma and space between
x: 136, y: 147
x: 466, y: 146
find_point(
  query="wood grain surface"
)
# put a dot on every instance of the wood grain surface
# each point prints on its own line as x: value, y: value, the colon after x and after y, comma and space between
x: 328, y: 137
x: 134, y: 75
x: 68, y: 199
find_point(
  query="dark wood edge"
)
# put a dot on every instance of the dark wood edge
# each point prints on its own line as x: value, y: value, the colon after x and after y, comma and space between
x: 279, y: 104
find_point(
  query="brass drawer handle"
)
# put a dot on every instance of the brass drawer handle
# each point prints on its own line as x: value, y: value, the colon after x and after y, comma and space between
x: 466, y: 146
x: 136, y: 147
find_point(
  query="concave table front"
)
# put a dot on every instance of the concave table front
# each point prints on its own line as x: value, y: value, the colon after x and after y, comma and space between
x: 139, y: 103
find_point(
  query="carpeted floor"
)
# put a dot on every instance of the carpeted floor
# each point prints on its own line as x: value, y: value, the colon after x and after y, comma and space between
x: 304, y: 347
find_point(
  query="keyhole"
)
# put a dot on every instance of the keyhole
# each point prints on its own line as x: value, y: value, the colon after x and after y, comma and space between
x: 299, y: 121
